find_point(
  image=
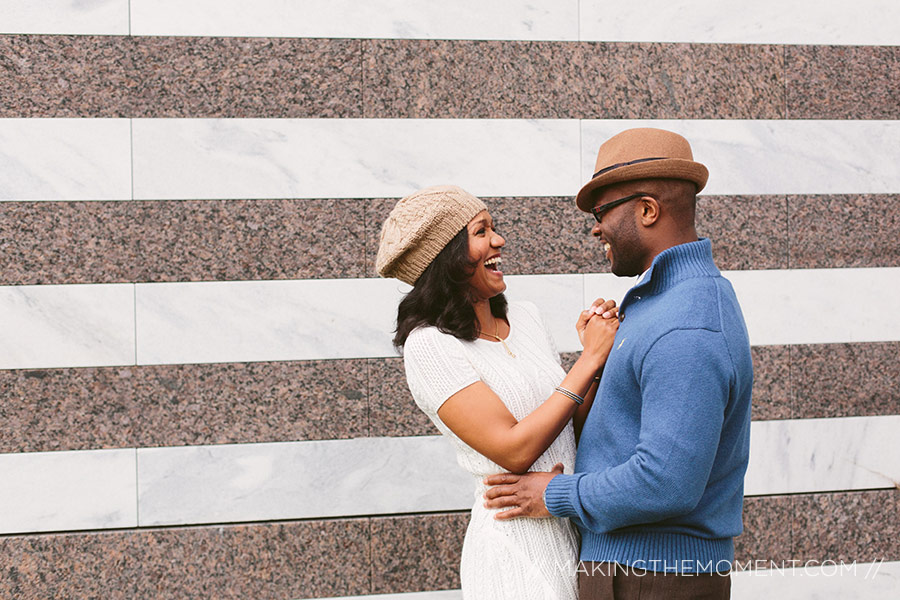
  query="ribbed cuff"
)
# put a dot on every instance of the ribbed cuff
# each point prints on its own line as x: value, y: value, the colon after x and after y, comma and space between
x: 659, y: 551
x: 560, y: 495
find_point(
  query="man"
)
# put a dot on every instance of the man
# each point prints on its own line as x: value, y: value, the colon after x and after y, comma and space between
x: 658, y: 486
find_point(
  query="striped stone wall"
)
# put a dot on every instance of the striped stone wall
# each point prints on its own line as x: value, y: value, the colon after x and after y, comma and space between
x: 198, y: 395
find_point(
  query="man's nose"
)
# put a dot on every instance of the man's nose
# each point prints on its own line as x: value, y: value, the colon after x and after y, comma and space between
x: 595, y: 230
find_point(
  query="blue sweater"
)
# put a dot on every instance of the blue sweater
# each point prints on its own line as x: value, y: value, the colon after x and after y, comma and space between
x: 659, y: 474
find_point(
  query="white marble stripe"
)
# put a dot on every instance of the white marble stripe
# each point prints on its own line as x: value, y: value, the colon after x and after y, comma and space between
x: 62, y: 491
x: 84, y: 325
x: 359, y: 158
x: 88, y: 159
x: 96, y: 17
x: 811, y: 306
x: 351, y: 158
x: 266, y: 320
x: 250, y: 321
x: 319, y: 319
x: 848, y: 580
x: 256, y: 482
x: 864, y: 22
x: 65, y: 159
x: 815, y: 455
x: 776, y: 157
x: 429, y: 19
x: 824, y: 578
x: 370, y: 476
x: 295, y: 480
x: 299, y: 320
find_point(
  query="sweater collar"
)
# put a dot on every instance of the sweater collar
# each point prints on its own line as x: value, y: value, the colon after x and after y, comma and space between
x: 678, y: 263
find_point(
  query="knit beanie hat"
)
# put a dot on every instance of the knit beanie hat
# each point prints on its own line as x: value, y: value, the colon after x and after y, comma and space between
x: 420, y: 226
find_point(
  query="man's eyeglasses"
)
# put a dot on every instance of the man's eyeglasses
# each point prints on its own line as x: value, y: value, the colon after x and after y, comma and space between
x: 598, y: 211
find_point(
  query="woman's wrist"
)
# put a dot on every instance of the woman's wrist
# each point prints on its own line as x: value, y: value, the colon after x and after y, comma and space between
x: 594, y: 360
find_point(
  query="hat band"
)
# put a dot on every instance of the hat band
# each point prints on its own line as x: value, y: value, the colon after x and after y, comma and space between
x: 625, y: 164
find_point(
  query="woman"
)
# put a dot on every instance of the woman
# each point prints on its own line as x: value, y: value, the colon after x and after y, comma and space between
x: 489, y: 377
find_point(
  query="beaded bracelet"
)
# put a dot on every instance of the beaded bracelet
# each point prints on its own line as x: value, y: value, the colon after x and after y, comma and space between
x: 572, y: 395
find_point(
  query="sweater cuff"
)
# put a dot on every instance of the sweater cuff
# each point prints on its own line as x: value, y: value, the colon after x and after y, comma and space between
x: 561, y: 494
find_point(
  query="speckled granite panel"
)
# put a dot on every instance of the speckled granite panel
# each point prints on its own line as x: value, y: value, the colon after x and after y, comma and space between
x: 171, y: 405
x: 162, y: 405
x: 849, y: 526
x: 767, y: 531
x: 119, y: 76
x: 468, y: 79
x: 747, y: 232
x: 543, y: 235
x: 771, y: 382
x: 511, y: 79
x: 417, y: 553
x: 846, y: 380
x: 95, y: 566
x: 251, y: 402
x: 281, y: 560
x: 68, y: 242
x: 546, y: 235
x: 248, y: 77
x: 196, y: 240
x: 68, y: 409
x: 843, y: 82
x: 66, y: 76
x: 392, y: 410
x: 844, y: 231
x: 250, y: 239
x: 681, y: 81
x: 568, y: 359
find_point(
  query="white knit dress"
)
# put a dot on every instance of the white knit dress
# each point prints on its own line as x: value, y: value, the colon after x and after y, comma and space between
x: 517, y: 559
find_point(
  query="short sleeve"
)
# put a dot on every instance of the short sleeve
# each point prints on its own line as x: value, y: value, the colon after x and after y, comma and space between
x: 535, y: 314
x: 436, y: 367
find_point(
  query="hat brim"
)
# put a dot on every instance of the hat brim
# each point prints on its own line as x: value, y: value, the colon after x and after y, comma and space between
x: 666, y: 168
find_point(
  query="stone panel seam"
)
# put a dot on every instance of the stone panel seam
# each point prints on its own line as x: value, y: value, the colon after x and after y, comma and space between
x: 362, y: 79
x: 371, y: 558
x: 784, y: 88
x: 131, y: 153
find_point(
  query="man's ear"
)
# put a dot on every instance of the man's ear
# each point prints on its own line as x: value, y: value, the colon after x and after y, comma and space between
x: 649, y: 210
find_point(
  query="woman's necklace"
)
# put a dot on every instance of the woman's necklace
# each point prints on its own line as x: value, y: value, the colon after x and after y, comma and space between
x: 497, y: 337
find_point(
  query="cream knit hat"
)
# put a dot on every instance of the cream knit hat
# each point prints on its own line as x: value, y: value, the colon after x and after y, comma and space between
x: 419, y: 227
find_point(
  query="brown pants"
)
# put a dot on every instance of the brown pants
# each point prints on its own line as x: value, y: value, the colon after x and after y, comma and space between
x: 609, y: 581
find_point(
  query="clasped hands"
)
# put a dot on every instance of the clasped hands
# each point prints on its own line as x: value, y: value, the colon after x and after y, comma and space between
x: 523, y: 494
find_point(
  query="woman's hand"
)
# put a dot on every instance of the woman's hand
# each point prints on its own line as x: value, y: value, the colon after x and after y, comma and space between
x: 599, y: 334
x: 606, y: 309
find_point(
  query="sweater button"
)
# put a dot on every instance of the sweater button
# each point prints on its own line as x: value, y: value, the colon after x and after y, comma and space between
x: 621, y: 317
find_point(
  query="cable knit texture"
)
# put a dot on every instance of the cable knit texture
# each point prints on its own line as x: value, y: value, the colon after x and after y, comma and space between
x: 420, y: 226
x: 659, y: 480
x: 521, y: 559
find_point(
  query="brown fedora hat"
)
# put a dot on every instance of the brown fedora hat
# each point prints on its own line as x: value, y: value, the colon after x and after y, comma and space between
x: 642, y: 153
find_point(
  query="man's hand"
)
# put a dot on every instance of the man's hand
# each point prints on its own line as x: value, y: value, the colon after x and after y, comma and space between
x: 524, y: 492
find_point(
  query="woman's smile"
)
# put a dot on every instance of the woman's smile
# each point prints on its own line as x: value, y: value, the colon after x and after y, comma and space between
x: 493, y: 264
x: 484, y: 252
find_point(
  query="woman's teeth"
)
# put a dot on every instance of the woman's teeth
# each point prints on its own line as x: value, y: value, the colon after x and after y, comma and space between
x: 493, y: 263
